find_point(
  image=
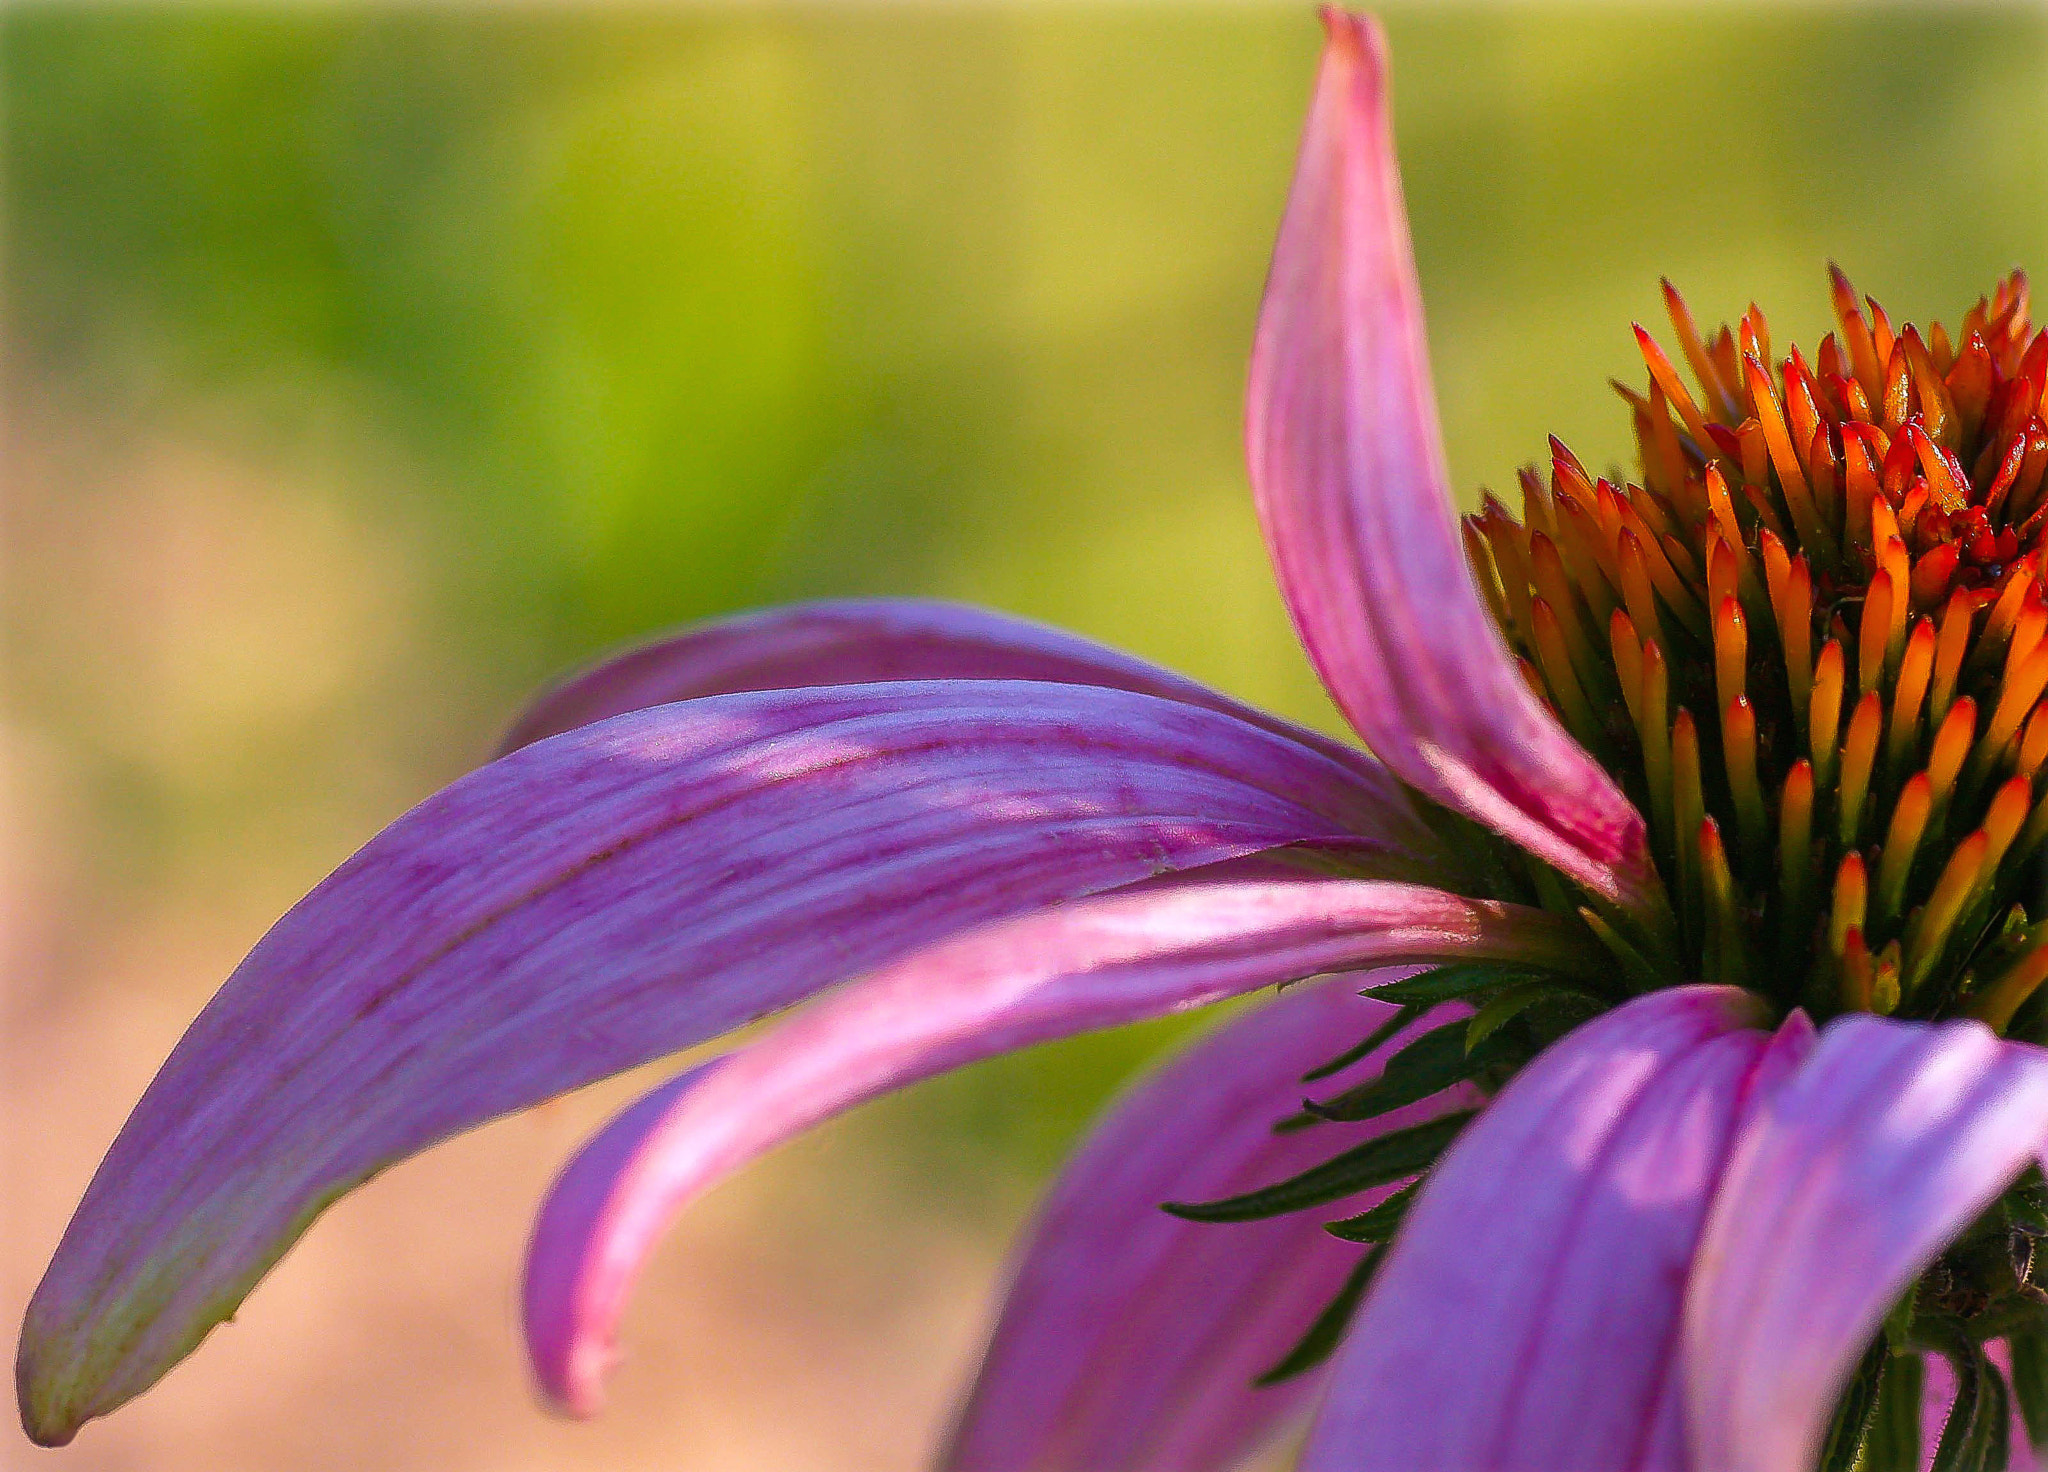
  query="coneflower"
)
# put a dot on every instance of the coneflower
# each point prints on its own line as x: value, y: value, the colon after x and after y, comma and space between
x: 1709, y: 803
x: 1810, y: 642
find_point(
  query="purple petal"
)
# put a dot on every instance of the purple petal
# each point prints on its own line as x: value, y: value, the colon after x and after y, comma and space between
x: 1528, y: 1316
x: 601, y: 899
x: 856, y: 641
x: 1087, y: 965
x: 1887, y: 1143
x: 1130, y: 1339
x: 1348, y: 470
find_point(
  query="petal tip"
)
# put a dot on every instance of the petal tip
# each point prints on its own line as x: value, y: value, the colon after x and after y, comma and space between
x: 1348, y: 475
x: 573, y: 1385
x: 47, y: 1433
x: 1357, y: 35
x: 570, y: 1348
x: 47, y: 1416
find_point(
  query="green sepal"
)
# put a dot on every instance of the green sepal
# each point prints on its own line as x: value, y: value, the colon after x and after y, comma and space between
x: 1511, y: 1004
x: 1496, y: 867
x: 1977, y: 1435
x: 1991, y: 1437
x: 1553, y: 891
x: 1295, y: 1123
x: 1431, y: 1063
x: 1997, y: 1456
x: 1892, y: 1443
x: 1378, y: 1161
x: 2030, y: 1380
x: 2012, y: 1313
x: 1407, y: 1014
x: 1378, y: 1224
x: 2026, y: 1204
x: 1853, y: 1410
x: 1898, y: 1322
x: 1642, y: 975
x: 1951, y: 1453
x: 1448, y: 983
x: 1327, y: 1331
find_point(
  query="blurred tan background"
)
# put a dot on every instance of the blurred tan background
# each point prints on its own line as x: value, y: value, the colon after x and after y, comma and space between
x: 364, y: 366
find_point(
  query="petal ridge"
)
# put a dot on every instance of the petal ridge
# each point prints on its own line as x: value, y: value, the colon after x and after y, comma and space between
x: 1349, y: 477
x: 616, y: 893
x: 1086, y: 965
x: 1889, y: 1140
x: 861, y: 641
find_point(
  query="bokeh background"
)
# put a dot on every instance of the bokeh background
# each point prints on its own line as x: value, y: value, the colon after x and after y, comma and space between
x: 364, y: 366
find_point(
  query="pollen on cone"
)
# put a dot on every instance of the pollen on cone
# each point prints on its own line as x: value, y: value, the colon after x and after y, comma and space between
x: 1836, y: 556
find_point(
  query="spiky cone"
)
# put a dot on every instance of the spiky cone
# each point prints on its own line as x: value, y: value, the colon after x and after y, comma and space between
x: 1825, y: 591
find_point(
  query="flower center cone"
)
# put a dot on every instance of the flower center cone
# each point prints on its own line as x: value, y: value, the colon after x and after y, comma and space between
x: 1810, y: 643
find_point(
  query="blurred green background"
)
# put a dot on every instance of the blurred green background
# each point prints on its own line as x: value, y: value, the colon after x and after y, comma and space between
x: 365, y: 366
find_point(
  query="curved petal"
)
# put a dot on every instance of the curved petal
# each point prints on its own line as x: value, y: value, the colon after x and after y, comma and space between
x: 601, y: 899
x: 1087, y: 965
x: 1129, y: 1338
x: 1528, y: 1315
x: 1348, y: 470
x: 1890, y: 1140
x: 857, y: 641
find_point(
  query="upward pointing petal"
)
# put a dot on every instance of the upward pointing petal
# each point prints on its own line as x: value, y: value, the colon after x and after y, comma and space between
x: 597, y: 900
x: 1347, y: 466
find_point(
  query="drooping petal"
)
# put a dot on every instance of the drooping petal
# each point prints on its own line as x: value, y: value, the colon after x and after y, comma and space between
x: 1129, y: 1339
x: 601, y: 899
x: 1086, y: 965
x: 853, y: 641
x: 1528, y: 1316
x: 1889, y: 1141
x: 1348, y: 470
x: 856, y: 641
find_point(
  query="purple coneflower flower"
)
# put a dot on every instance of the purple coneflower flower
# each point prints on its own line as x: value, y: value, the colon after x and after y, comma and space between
x: 1704, y: 1141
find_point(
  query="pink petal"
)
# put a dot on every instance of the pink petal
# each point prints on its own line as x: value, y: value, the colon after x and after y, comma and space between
x: 1130, y: 1339
x: 1528, y: 1315
x: 864, y: 640
x: 604, y: 898
x: 1348, y: 470
x: 854, y: 641
x: 1087, y: 965
x: 1889, y: 1141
